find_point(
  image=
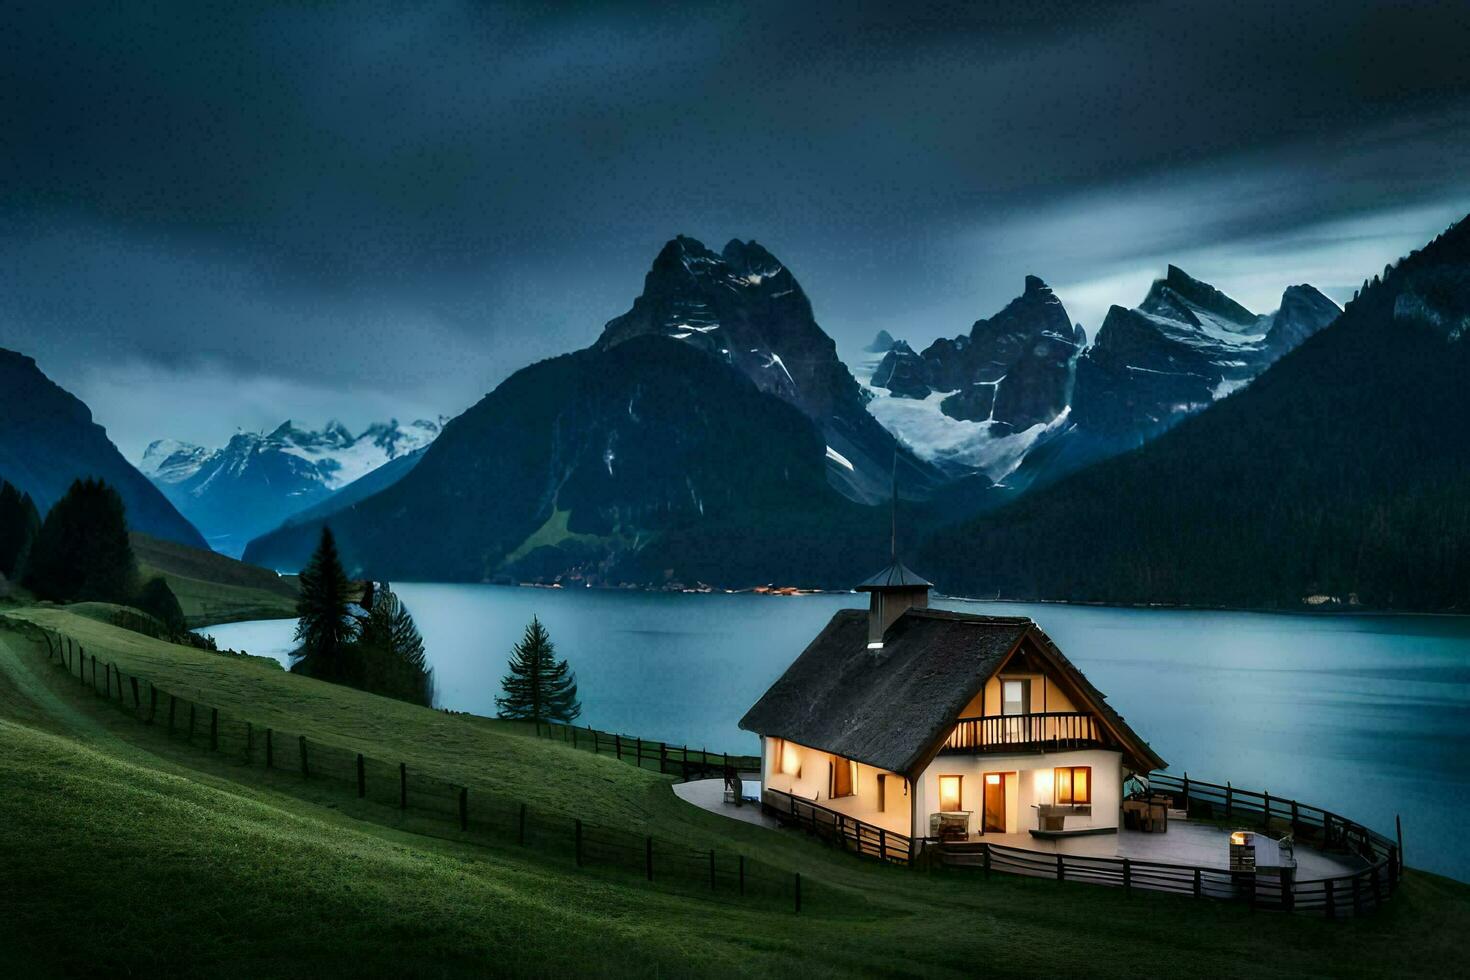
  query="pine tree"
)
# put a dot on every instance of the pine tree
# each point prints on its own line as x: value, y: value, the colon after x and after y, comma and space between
x: 158, y: 600
x: 538, y: 686
x: 324, y: 628
x: 19, y: 525
x: 391, y: 651
x: 82, y: 550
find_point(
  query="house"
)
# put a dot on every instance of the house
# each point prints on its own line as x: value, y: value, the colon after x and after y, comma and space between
x: 915, y: 722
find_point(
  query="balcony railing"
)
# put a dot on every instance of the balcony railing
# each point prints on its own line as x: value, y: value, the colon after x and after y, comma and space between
x: 1048, y: 730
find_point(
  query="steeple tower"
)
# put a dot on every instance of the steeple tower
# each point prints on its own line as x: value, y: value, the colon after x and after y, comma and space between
x: 896, y: 589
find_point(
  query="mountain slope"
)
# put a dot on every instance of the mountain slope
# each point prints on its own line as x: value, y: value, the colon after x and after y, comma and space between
x: 1185, y: 347
x: 980, y: 400
x: 583, y: 467
x: 1342, y: 471
x: 48, y: 439
x: 258, y: 480
x: 745, y: 309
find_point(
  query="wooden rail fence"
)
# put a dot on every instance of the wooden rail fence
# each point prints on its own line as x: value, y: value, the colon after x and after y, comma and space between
x: 466, y: 813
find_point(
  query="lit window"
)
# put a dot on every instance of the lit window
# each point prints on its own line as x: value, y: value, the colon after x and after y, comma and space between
x: 790, y: 759
x: 949, y: 793
x: 1074, y: 784
x: 1015, y: 697
x: 843, y: 779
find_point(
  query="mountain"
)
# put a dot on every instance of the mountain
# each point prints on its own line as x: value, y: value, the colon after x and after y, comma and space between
x: 1341, y: 474
x: 743, y: 308
x: 643, y: 461
x: 48, y: 439
x: 258, y: 480
x: 980, y: 400
x: 361, y: 488
x: 882, y: 343
x: 1185, y: 347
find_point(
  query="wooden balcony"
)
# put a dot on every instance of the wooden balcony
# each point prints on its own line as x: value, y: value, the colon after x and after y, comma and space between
x: 1049, y: 731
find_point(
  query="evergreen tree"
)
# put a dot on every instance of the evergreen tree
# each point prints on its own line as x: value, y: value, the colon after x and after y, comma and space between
x: 19, y: 525
x: 82, y: 550
x: 159, y: 601
x: 538, y: 686
x: 391, y: 651
x: 324, y: 628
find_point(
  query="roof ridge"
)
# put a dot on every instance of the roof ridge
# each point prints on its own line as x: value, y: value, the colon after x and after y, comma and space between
x: 965, y: 617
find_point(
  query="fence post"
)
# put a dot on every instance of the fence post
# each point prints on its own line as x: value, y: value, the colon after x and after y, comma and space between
x: 985, y: 850
x: 1295, y: 816
x: 1398, y: 828
x: 579, y: 843
x: 1229, y: 793
x: 648, y: 856
x: 464, y: 808
x: 639, y: 749
x: 361, y: 777
x: 574, y: 737
x: 173, y: 702
x: 618, y: 746
x: 521, y: 827
x: 684, y: 764
x: 1198, y: 890
x: 882, y: 844
x: 1186, y: 794
x: 1266, y: 811
x: 1331, y: 903
x: 270, y: 748
x: 152, y: 702
x: 1061, y: 870
x: 1288, y: 889
x: 107, y: 676
x: 137, y: 701
x: 1127, y: 876
x: 403, y: 786
x: 214, y: 729
x: 663, y: 756
x: 742, y: 874
x: 305, y: 772
x: 797, y: 884
x: 711, y: 869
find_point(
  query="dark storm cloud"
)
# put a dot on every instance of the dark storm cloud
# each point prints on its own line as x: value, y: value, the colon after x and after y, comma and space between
x: 411, y: 201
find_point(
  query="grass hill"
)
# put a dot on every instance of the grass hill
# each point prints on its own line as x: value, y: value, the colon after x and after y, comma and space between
x: 126, y: 852
x: 212, y: 588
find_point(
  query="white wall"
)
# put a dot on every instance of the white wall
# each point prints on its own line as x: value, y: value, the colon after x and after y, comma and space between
x: 1032, y: 785
x: 811, y: 783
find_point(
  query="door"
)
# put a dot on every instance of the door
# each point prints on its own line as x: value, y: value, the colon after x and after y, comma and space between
x: 995, y: 803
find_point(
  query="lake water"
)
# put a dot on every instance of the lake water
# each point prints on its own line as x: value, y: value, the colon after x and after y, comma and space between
x: 1368, y: 716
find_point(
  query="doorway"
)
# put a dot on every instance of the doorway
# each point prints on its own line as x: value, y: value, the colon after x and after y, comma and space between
x: 994, y: 814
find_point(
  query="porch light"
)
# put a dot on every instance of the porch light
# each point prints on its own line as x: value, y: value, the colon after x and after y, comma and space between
x: 876, y: 645
x: 949, y: 793
x: 1043, y: 783
x: 790, y: 760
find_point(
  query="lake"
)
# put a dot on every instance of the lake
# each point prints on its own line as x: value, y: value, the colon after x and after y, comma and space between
x: 1368, y: 716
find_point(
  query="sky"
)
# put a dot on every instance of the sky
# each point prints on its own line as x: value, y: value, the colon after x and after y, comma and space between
x: 216, y: 217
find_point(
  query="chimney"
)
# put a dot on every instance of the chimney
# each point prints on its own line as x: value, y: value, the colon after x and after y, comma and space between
x: 892, y: 592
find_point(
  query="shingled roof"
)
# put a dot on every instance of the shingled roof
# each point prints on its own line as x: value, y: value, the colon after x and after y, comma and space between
x: 890, y: 708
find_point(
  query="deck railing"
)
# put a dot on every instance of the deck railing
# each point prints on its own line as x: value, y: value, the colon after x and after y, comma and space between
x: 1352, y: 894
x: 1052, y: 730
x: 846, y: 830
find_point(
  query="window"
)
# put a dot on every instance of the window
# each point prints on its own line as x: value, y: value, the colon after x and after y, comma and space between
x: 1015, y: 697
x: 950, y: 793
x: 1074, y: 784
x: 843, y: 777
x: 788, y: 759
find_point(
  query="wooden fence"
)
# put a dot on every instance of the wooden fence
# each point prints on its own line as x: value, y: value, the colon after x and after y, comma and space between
x: 674, y: 760
x: 847, y: 831
x: 1351, y: 894
x: 470, y: 814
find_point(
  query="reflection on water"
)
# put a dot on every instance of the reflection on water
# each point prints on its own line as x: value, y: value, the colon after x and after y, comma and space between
x: 1366, y: 715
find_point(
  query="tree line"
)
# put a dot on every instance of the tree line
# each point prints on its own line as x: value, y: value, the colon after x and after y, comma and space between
x: 80, y: 552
